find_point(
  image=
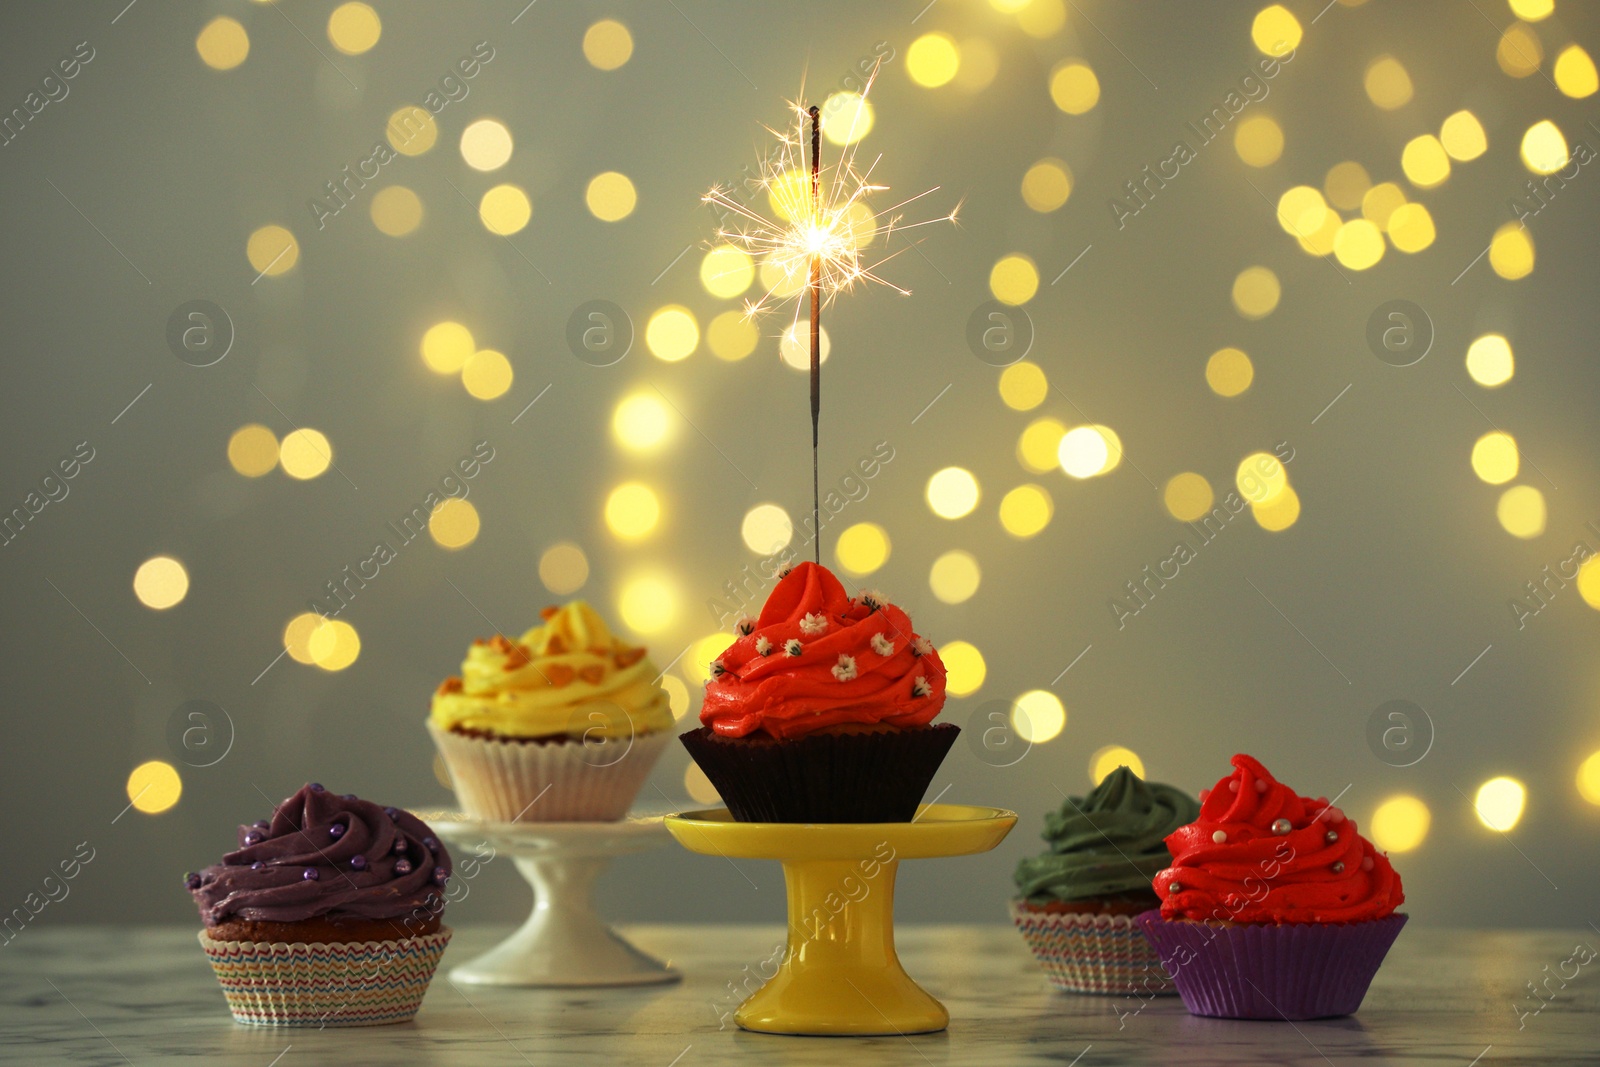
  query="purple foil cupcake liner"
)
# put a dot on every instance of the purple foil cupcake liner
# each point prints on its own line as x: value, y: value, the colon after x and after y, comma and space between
x: 1271, y: 971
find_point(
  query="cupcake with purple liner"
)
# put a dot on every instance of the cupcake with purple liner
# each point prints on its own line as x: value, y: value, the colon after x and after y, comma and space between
x: 1077, y: 900
x: 562, y: 724
x: 330, y: 913
x: 1274, y: 906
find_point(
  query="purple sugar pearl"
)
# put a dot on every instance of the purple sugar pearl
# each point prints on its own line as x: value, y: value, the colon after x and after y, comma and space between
x: 347, y: 796
x: 431, y: 844
x: 262, y: 824
x: 440, y: 875
x: 315, y: 787
x: 393, y: 813
x: 399, y: 843
x: 257, y: 865
x: 310, y: 874
x: 191, y: 881
x: 402, y: 866
x: 253, y: 837
x: 336, y: 831
x: 358, y: 863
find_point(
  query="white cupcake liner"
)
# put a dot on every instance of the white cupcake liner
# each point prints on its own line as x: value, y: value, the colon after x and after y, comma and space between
x: 1092, y: 953
x: 532, y: 781
x: 352, y: 983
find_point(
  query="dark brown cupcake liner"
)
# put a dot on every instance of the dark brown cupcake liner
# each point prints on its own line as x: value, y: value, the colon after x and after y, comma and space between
x: 877, y: 776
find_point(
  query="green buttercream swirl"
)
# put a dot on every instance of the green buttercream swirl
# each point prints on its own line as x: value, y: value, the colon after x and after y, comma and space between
x: 1109, y: 842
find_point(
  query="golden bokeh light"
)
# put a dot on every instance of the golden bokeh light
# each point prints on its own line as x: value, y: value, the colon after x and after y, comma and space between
x: 1519, y: 51
x: 563, y: 568
x: 697, y: 661
x: 1544, y: 148
x: 846, y: 118
x: 607, y: 44
x: 1255, y: 292
x: 632, y: 511
x: 1400, y: 824
x: 1320, y: 242
x: 1038, y: 716
x: 1275, y: 32
x: 677, y: 694
x: 955, y: 576
x: 396, y: 211
x: 1084, y: 452
x: 1039, y: 445
x: 610, y: 196
x: 1258, y: 141
x: 766, y: 529
x: 1495, y: 458
x: 932, y: 60
x: 446, y: 347
x: 726, y: 271
x: 1511, y: 252
x: 1260, y: 478
x: 333, y: 645
x: 1380, y: 202
x: 1074, y: 87
x: 1014, y: 279
x: 1589, y: 778
x: 160, y: 583
x: 1346, y: 183
x: 505, y: 209
x: 253, y: 450
x: 1575, y: 74
x: 1387, y: 83
x: 1023, y: 386
x: 1359, y: 244
x: 454, y: 523
x: 1279, y: 513
x: 1042, y: 18
x: 1229, y: 372
x: 1489, y: 360
x: 1046, y: 185
x: 641, y: 422
x: 778, y: 277
x: 732, y: 336
x: 1009, y: 7
x: 305, y: 453
x: 411, y: 130
x: 672, y: 333
x: 272, y: 250
x: 1425, y: 161
x: 487, y: 374
x: 154, y: 787
x: 486, y: 144
x: 1302, y: 211
x: 1108, y: 759
x: 1522, y: 512
x: 698, y: 786
x: 222, y: 44
x: 297, y: 636
x: 1532, y: 10
x: 952, y: 492
x: 862, y: 548
x: 1187, y: 496
x: 964, y: 667
x: 794, y: 346
x: 354, y: 28
x: 648, y: 603
x: 1411, y: 228
x: 1589, y: 582
x: 1499, y: 803
x: 1026, y: 510
x: 1463, y: 137
x: 980, y: 62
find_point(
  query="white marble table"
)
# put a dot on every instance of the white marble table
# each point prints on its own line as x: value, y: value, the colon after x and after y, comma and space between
x: 102, y: 995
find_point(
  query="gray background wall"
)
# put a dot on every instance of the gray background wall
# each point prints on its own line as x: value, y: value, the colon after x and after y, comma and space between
x: 1397, y: 572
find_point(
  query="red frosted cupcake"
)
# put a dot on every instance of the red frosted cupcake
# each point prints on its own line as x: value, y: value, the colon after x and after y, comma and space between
x: 1274, y: 906
x: 821, y: 709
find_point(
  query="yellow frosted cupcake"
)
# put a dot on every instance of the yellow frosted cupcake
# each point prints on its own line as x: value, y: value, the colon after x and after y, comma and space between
x: 562, y: 724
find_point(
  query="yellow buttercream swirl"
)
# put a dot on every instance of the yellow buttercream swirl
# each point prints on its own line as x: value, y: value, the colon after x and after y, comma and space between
x: 569, y: 676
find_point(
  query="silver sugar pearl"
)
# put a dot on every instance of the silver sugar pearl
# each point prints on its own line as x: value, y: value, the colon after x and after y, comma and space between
x: 1174, y: 888
x: 1281, y: 826
x: 1338, y: 868
x: 1219, y: 837
x: 1331, y: 836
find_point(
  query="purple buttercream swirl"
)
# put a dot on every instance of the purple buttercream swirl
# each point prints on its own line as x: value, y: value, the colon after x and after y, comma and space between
x: 382, y: 863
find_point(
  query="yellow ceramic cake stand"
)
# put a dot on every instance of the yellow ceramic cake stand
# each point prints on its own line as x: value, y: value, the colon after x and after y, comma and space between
x: 840, y: 974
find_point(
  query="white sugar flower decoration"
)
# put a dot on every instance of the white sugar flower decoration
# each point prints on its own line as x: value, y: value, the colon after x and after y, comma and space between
x: 921, y: 646
x: 814, y: 624
x: 744, y: 625
x: 920, y: 687
x: 763, y: 646
x: 717, y: 669
x: 873, y: 599
x: 792, y: 647
x: 882, y: 645
x: 845, y: 669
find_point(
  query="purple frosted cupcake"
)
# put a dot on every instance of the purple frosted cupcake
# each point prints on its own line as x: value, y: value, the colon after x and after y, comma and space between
x: 330, y: 913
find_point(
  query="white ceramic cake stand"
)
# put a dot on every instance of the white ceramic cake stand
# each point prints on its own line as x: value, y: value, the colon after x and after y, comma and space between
x: 564, y: 942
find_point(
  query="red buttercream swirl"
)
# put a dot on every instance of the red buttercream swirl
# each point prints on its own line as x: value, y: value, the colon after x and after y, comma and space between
x: 1312, y: 868
x: 858, y: 661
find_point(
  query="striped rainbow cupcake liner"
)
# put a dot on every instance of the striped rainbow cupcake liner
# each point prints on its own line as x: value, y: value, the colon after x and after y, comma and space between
x: 367, y: 983
x: 1106, y: 954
